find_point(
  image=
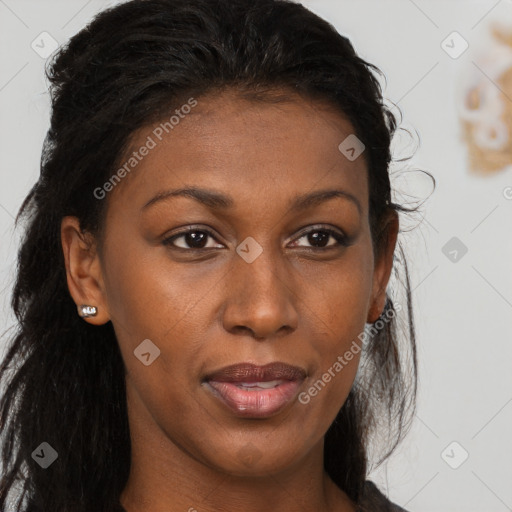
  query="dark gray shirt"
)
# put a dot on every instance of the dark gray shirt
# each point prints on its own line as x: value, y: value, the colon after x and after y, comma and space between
x: 374, y: 501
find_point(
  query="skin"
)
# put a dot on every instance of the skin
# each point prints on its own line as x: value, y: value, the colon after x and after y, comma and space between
x: 209, y: 308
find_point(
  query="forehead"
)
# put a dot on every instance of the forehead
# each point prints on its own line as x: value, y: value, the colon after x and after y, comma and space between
x: 243, y: 147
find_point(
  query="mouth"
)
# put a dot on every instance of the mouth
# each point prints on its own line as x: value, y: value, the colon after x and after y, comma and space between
x: 252, y: 391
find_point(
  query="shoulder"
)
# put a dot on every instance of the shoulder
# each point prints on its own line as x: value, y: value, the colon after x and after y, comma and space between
x: 373, y: 500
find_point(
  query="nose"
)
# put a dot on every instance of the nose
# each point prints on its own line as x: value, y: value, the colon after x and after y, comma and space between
x: 260, y: 300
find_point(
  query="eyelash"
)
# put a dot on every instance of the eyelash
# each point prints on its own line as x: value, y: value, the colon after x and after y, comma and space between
x: 341, y: 240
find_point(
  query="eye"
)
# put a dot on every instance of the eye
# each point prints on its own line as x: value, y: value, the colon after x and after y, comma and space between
x: 321, y: 238
x: 191, y: 239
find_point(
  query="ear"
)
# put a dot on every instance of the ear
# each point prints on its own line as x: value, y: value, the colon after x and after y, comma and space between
x: 383, y: 266
x: 83, y: 269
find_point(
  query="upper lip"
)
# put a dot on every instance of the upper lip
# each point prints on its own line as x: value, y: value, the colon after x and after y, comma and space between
x: 248, y: 372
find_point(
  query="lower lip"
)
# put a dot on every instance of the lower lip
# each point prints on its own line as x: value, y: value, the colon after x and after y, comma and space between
x: 259, y: 403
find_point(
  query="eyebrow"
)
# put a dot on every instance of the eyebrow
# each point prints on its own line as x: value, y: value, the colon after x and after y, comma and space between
x: 217, y: 200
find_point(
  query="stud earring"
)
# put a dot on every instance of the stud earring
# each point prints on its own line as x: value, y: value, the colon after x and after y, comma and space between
x: 86, y: 311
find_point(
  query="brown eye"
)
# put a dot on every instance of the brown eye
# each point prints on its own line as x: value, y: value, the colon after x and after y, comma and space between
x: 321, y: 238
x: 196, y: 239
x: 191, y: 239
x: 318, y: 238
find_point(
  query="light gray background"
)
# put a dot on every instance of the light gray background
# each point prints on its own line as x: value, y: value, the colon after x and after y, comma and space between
x: 463, y: 309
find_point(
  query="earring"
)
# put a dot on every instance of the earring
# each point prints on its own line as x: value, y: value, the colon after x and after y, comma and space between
x: 86, y: 311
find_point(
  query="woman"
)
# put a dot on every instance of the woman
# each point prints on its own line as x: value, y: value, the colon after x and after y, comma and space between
x: 205, y: 321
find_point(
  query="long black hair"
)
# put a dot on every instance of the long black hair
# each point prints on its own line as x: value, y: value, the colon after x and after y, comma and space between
x: 63, y: 379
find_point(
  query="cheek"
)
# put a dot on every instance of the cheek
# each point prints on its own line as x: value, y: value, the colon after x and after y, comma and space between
x: 153, y: 300
x: 338, y: 304
x: 337, y: 295
x: 151, y: 296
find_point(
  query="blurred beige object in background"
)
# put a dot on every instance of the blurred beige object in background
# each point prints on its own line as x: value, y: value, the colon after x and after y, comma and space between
x: 485, y: 103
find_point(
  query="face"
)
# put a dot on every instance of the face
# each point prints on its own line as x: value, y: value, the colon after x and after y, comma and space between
x: 267, y: 257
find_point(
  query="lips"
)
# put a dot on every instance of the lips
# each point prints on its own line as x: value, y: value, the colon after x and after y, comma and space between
x: 256, y: 391
x: 247, y: 372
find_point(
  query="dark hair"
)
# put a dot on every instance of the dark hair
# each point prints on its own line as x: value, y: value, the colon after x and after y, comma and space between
x: 64, y: 378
